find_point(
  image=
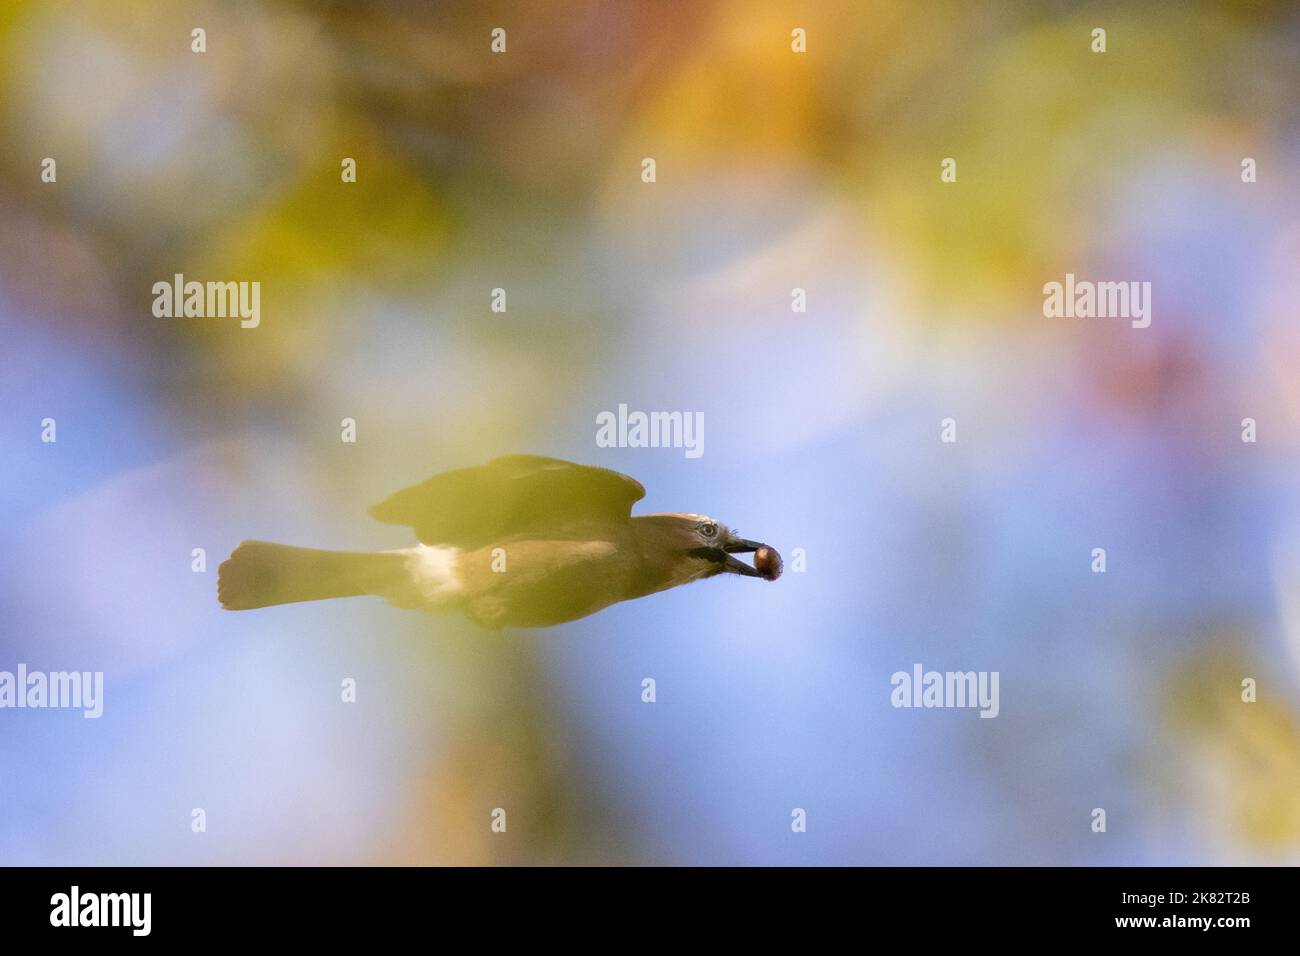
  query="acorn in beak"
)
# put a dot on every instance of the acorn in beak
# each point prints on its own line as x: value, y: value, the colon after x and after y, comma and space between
x: 767, y: 562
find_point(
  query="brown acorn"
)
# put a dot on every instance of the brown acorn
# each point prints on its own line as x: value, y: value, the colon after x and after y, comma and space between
x: 767, y: 563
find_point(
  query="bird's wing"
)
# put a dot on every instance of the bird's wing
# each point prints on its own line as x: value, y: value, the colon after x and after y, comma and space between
x: 474, y: 507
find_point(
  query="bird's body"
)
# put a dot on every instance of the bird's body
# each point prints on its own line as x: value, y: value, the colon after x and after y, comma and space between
x: 524, y: 541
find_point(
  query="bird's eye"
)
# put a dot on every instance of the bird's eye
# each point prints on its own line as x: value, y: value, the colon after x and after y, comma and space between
x: 709, y: 530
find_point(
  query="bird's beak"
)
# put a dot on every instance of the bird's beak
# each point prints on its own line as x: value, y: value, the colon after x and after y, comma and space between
x: 735, y: 565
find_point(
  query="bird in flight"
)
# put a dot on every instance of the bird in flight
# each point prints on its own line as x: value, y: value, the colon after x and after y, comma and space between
x: 523, y: 541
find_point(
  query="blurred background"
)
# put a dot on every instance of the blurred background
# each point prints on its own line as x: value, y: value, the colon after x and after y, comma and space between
x: 775, y: 171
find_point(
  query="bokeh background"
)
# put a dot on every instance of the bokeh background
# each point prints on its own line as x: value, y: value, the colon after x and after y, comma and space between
x: 775, y: 171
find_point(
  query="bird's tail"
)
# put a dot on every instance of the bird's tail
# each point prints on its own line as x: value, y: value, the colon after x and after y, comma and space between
x: 261, y: 573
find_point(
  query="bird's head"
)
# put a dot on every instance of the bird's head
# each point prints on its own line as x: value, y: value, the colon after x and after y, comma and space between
x: 697, y: 546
